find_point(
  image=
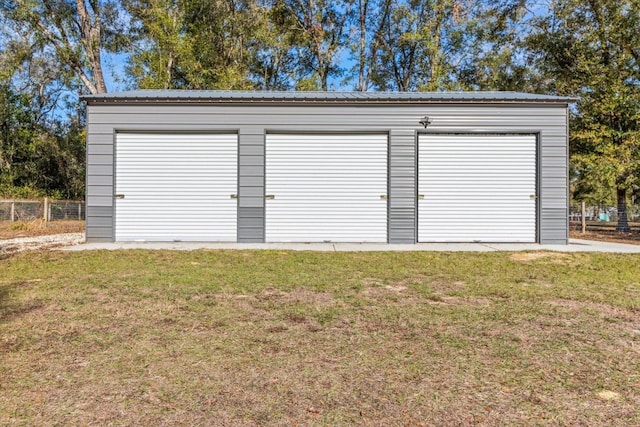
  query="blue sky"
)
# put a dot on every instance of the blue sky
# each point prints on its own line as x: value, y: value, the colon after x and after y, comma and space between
x: 114, y: 69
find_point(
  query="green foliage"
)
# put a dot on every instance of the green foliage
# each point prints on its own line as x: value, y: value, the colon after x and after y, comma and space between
x: 273, y: 61
x: 589, y: 50
x: 12, y: 192
x: 38, y: 159
x: 72, y: 33
x: 17, y: 138
x: 495, y: 50
x: 320, y: 30
x: 167, y: 56
x: 193, y: 45
x: 418, y: 42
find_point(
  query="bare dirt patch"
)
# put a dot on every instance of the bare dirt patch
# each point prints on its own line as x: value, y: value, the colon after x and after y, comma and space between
x: 535, y: 256
x: 383, y: 291
x: 466, y: 300
x: 12, y: 246
x: 398, y: 288
x: 604, y: 309
x: 296, y: 295
x: 607, y: 234
x: 609, y: 395
x: 303, y: 294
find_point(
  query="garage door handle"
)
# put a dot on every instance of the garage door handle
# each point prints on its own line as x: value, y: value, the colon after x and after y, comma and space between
x: 533, y: 196
x: 118, y: 196
x: 421, y: 196
x: 383, y: 197
x: 234, y: 196
x: 270, y: 196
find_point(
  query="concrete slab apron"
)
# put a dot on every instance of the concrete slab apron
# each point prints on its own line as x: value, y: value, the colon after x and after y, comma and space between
x: 573, y: 246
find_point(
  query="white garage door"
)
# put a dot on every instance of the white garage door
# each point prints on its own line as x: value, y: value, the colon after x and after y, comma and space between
x: 476, y: 188
x: 176, y: 187
x: 328, y: 187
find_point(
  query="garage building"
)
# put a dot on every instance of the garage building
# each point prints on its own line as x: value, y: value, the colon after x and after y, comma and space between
x: 250, y: 167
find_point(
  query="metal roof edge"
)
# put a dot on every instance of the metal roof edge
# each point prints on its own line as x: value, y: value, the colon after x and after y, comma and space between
x: 335, y: 98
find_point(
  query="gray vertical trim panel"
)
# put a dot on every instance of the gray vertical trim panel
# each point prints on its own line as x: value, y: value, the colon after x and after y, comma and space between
x: 251, y: 185
x: 568, y: 184
x: 538, y: 186
x: 99, y: 181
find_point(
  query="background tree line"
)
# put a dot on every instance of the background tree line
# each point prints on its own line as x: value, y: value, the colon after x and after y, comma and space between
x: 53, y: 50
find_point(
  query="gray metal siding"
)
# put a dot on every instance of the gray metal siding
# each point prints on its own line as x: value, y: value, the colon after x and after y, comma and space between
x: 401, y: 122
x: 251, y: 186
x: 99, y: 214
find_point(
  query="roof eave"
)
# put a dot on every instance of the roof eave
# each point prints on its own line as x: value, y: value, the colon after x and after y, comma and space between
x: 90, y: 100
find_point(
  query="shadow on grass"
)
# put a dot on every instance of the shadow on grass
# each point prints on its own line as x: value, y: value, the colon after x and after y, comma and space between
x: 6, y: 253
x: 10, y: 308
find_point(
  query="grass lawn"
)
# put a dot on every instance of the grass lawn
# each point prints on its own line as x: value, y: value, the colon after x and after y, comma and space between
x: 242, y: 338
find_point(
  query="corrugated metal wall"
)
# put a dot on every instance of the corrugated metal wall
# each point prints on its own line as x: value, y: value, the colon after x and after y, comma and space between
x: 252, y: 121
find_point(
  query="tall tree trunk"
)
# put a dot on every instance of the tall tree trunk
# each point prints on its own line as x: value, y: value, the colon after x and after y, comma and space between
x: 91, y: 30
x: 623, y: 224
x: 76, y: 39
x: 363, y: 5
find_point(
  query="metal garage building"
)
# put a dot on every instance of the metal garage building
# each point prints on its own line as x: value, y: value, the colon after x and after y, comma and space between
x: 225, y: 166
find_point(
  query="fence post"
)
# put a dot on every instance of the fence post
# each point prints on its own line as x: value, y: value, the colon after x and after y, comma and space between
x: 13, y: 211
x: 79, y: 211
x: 46, y: 209
x: 583, y: 216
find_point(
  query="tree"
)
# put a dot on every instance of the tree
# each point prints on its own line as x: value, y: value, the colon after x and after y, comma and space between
x: 591, y: 50
x: 321, y: 27
x: 74, y: 32
x: 494, y: 52
x: 34, y: 158
x: 221, y: 33
x: 17, y: 127
x: 419, y: 44
x: 162, y: 51
x: 198, y: 45
x: 61, y: 161
x: 41, y: 141
x: 360, y: 48
x: 274, y: 61
x: 368, y: 24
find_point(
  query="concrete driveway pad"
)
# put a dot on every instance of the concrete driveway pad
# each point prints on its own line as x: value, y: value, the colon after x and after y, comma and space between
x: 574, y: 245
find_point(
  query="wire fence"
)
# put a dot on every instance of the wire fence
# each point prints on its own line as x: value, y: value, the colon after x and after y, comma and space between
x: 601, y: 218
x: 603, y: 213
x: 46, y: 209
x: 73, y: 210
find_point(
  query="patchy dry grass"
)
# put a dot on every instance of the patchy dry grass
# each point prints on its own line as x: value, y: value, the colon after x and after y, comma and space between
x: 38, y: 227
x: 294, y: 338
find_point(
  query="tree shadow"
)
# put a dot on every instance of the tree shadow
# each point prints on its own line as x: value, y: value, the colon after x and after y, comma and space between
x: 10, y: 308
